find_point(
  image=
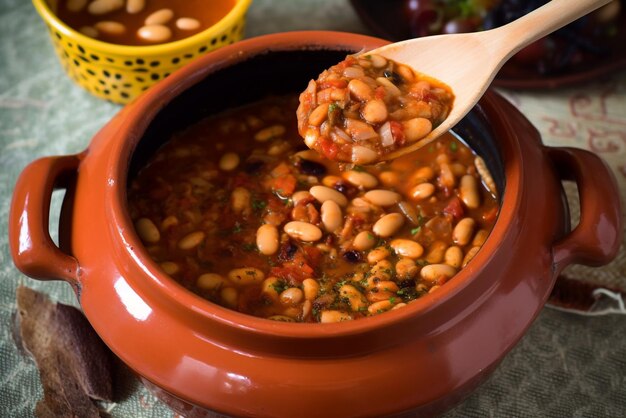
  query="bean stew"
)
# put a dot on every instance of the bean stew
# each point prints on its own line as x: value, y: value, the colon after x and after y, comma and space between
x: 367, y: 106
x: 235, y: 209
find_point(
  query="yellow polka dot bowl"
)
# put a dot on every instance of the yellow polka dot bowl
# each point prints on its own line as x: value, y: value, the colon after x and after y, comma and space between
x: 119, y: 73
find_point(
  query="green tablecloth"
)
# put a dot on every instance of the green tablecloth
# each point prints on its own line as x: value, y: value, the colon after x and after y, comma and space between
x: 567, y: 364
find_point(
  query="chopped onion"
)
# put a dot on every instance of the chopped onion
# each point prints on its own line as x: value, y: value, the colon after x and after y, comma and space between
x: 409, y: 211
x: 385, y: 135
x: 339, y: 136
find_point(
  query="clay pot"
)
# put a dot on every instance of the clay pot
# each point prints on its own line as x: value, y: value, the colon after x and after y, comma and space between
x: 200, y: 357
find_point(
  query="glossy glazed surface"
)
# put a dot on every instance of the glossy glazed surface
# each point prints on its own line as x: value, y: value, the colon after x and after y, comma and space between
x: 429, y: 355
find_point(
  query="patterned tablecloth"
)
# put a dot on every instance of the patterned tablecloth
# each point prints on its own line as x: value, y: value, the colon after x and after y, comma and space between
x: 568, y: 364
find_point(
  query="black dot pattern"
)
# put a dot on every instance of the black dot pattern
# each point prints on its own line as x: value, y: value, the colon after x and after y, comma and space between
x: 120, y: 78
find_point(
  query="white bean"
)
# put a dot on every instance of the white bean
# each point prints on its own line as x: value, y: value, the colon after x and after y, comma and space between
x: 303, y: 231
x: 485, y: 175
x: 446, y: 176
x: 267, y: 239
x: 377, y: 254
x: 453, y: 256
x: 135, y: 6
x: 147, y: 230
x: 100, y: 7
x: 406, y: 268
x: 211, y: 281
x: 468, y: 191
x: 374, y: 111
x: 422, y: 191
x: 291, y: 296
x: 246, y: 275
x: 89, y: 31
x: 388, y: 225
x: 323, y: 193
x: 355, y: 298
x: 363, y: 155
x: 154, y: 33
x: 169, y: 267
x: 436, y: 252
x: 281, y: 318
x: 363, y: 241
x: 353, y: 72
x: 470, y: 254
x: 381, y: 271
x: 240, y: 200
x: 169, y: 222
x: 229, y: 161
x: 109, y: 27
x: 299, y: 196
x: 378, y: 61
x: 436, y: 272
x: 160, y: 17
x: 328, y: 316
x: 480, y: 237
x: 311, y: 136
x: 383, y: 290
x: 191, y: 240
x: 380, y: 307
x: 229, y: 296
x: 416, y: 128
x: 463, y: 231
x: 360, y: 90
x: 269, y: 286
x: 389, y: 178
x: 332, y: 217
x: 405, y: 72
x: 407, y: 248
x: 319, y: 114
x: 278, y: 147
x: 311, y: 288
x: 422, y: 175
x: 76, y: 5
x: 270, y: 132
x: 330, y: 180
x: 187, y: 23
x: 381, y: 197
x: 361, y: 179
x: 390, y: 88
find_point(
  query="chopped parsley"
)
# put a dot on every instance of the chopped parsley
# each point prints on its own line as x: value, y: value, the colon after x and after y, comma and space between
x: 280, y: 286
x: 248, y: 246
x: 258, y: 204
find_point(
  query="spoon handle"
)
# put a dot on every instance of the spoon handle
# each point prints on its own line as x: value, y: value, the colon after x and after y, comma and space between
x: 542, y: 21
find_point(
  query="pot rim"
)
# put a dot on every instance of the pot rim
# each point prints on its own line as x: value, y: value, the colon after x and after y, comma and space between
x: 162, y: 287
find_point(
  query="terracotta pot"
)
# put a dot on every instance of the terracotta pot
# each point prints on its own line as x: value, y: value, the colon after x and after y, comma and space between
x: 200, y: 357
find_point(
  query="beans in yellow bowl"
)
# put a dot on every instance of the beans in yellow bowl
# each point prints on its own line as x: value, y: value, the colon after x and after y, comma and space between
x: 116, y: 49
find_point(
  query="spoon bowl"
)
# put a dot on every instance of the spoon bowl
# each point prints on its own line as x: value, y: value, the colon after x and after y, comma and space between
x: 468, y: 62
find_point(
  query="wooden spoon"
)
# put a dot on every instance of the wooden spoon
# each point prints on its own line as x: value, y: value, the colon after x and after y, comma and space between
x: 468, y: 62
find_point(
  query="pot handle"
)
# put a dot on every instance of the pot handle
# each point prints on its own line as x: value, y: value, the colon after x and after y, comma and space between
x: 33, y: 251
x: 597, y: 238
